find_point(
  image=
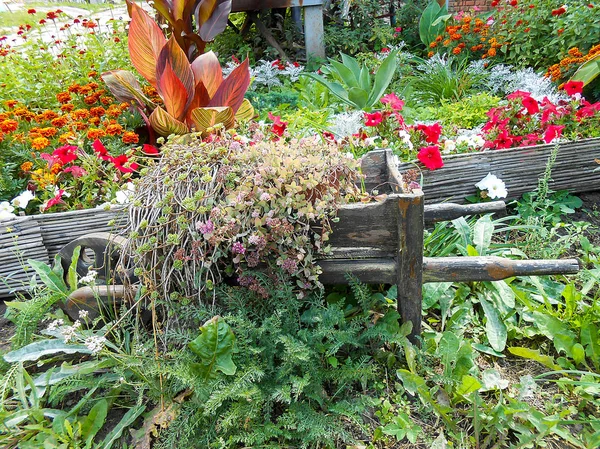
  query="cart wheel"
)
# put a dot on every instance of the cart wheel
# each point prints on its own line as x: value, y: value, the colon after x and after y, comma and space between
x: 100, y: 251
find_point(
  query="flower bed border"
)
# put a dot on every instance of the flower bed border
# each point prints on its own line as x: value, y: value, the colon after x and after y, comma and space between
x: 520, y: 169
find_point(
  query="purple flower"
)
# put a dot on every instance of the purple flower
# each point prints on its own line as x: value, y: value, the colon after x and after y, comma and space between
x: 238, y: 248
x: 205, y: 228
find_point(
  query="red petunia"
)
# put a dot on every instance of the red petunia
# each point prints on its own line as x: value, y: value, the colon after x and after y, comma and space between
x: 120, y: 162
x: 31, y: 11
x: 392, y: 99
x: 432, y: 132
x: 150, y: 150
x: 431, y: 157
x: 66, y: 153
x: 101, y: 150
x: 559, y: 11
x: 373, y: 119
x: 531, y: 105
x: 573, y: 87
x: 76, y: 171
x: 518, y: 94
x: 279, y: 126
x: 553, y: 132
x: 54, y: 201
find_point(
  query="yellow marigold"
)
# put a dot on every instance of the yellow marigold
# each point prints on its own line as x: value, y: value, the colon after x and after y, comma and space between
x: 124, y: 106
x: 114, y: 129
x: 11, y: 103
x: 39, y: 143
x: 56, y: 168
x: 447, y: 42
x: 8, y: 126
x: 95, y: 133
x: 130, y: 137
x: 26, y: 166
x: 59, y: 122
x: 43, y: 178
x: 66, y: 137
x: 113, y: 111
x: 48, y: 132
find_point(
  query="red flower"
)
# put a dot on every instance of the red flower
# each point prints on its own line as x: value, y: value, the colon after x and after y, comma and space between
x: 328, y: 136
x: 76, y: 170
x: 518, y: 94
x: 373, y: 119
x: 514, y: 2
x: 101, y: 150
x: 41, y: 22
x: 553, y: 132
x: 573, y: 87
x: 432, y: 132
x: 431, y: 157
x: 531, y: 105
x: 150, y: 150
x: 120, y: 162
x: 505, y: 140
x: 392, y: 99
x: 54, y: 201
x: 65, y: 154
x: 31, y: 11
x: 279, y: 126
x: 51, y: 15
x: 559, y: 11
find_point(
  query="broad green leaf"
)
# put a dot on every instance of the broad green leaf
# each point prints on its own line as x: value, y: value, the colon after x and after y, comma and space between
x: 463, y: 229
x: 54, y: 376
x: 590, y: 340
x: 448, y: 350
x: 207, y: 68
x: 558, y: 332
x: 345, y: 73
x: 383, y: 78
x: 42, y: 348
x: 468, y: 385
x: 94, y: 420
x: 48, y: 277
x: 365, y: 79
x: 486, y: 350
x: 335, y: 88
x: 72, y: 272
x: 57, y: 267
x: 358, y: 96
x: 165, y: 125
x: 502, y: 293
x: 588, y: 71
x: 127, y: 420
x: 214, y: 346
x: 578, y: 353
x: 145, y: 40
x: 432, y: 22
x: 531, y: 354
x: 233, y: 88
x: 412, y: 383
x: 482, y: 234
x: 495, y: 328
x: 353, y: 65
x: 204, y: 118
x: 492, y: 380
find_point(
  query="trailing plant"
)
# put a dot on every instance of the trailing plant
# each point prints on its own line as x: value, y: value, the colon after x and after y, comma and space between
x: 194, y: 95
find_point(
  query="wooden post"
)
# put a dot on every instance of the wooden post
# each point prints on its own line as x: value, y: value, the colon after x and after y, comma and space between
x: 313, y: 32
x: 409, y: 261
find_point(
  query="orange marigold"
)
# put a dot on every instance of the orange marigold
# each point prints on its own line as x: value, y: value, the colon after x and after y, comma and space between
x: 114, y: 129
x: 575, y: 52
x: 8, y: 126
x: 56, y: 168
x: 11, y: 103
x: 95, y: 133
x: 3, y: 116
x: 63, y: 97
x: 93, y: 85
x: 59, y: 122
x: 1, y: 136
x: 39, y: 143
x: 439, y: 39
x: 48, y: 132
x: 49, y: 115
x: 94, y: 121
x: 85, y: 90
x: 80, y: 126
x: 491, y: 52
x: 106, y: 100
x: 66, y: 137
x: 90, y: 99
x: 74, y: 88
x: 130, y: 137
x: 26, y: 166
x: 447, y: 42
x: 97, y: 111
x: 93, y: 74
x: 67, y: 107
x: 456, y: 36
x: 113, y: 111
x: 433, y: 45
x: 430, y: 54
x: 456, y: 50
x: 124, y: 106
x: 80, y: 114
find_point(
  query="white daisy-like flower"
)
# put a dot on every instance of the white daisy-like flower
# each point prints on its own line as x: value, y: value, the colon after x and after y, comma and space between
x: 493, y: 185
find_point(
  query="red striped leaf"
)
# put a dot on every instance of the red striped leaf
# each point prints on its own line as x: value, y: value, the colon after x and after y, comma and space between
x: 165, y: 125
x: 172, y: 55
x: 146, y: 40
x: 232, y: 90
x: 173, y: 93
x: 207, y: 69
x: 201, y: 99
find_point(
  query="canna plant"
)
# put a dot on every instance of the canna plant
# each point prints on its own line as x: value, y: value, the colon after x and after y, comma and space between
x: 195, y: 95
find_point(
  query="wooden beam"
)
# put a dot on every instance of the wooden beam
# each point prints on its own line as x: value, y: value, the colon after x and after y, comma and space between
x: 450, y: 211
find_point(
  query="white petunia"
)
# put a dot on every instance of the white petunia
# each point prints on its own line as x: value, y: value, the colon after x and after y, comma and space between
x: 494, y: 186
x: 23, y: 199
x: 449, y: 146
x: 124, y: 195
x: 6, y: 211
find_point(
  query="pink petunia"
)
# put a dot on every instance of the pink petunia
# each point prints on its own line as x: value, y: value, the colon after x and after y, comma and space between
x: 101, y: 150
x: 531, y: 105
x: 373, y: 119
x: 392, y: 99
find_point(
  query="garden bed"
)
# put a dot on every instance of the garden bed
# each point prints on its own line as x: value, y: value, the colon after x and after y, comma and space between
x: 574, y: 170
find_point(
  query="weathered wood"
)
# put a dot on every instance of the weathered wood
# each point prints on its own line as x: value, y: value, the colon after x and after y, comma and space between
x: 491, y: 268
x: 519, y: 168
x: 90, y: 300
x: 314, y: 32
x: 374, y: 168
x: 409, y: 261
x: 369, y: 271
x: 450, y: 211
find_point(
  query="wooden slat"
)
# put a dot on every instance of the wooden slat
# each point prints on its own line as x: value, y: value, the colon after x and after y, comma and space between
x: 369, y: 271
x: 374, y: 168
x: 450, y: 211
x: 519, y: 168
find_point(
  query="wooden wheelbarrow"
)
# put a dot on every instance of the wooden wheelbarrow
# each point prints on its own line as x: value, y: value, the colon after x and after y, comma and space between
x: 379, y: 243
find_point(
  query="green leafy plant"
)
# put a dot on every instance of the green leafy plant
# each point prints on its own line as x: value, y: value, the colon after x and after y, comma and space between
x: 194, y: 95
x: 433, y: 21
x: 353, y: 84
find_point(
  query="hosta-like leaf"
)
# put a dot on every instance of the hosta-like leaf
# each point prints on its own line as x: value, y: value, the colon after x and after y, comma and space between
x: 245, y: 112
x: 495, y: 328
x: 383, y: 78
x: 353, y: 65
x: 588, y: 71
x: 42, y: 348
x: 146, y: 41
x: 482, y: 234
x: 173, y: 55
x: 358, y: 96
x: 216, y: 23
x: 48, y: 277
x: 125, y: 87
x: 532, y: 354
x: 214, y: 346
x: 345, y: 73
x: 203, y: 118
x: 165, y: 124
x: 172, y: 92
x: 207, y: 68
x: 233, y: 88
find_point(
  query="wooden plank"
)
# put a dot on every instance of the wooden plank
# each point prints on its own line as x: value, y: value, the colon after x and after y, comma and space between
x: 519, y: 168
x: 374, y: 168
x: 369, y: 271
x: 409, y: 261
x: 491, y: 268
x: 450, y: 211
x: 314, y: 32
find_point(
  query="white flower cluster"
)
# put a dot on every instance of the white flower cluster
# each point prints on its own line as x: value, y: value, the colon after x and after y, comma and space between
x: 493, y: 185
x: 95, y: 343
x: 68, y: 332
x: 90, y: 278
x: 6, y: 211
x: 124, y: 195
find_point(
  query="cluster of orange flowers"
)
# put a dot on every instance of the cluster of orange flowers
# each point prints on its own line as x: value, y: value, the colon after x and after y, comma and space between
x: 468, y: 34
x: 567, y: 65
x: 85, y: 110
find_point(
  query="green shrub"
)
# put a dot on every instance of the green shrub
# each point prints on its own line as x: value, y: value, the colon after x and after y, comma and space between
x: 467, y: 113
